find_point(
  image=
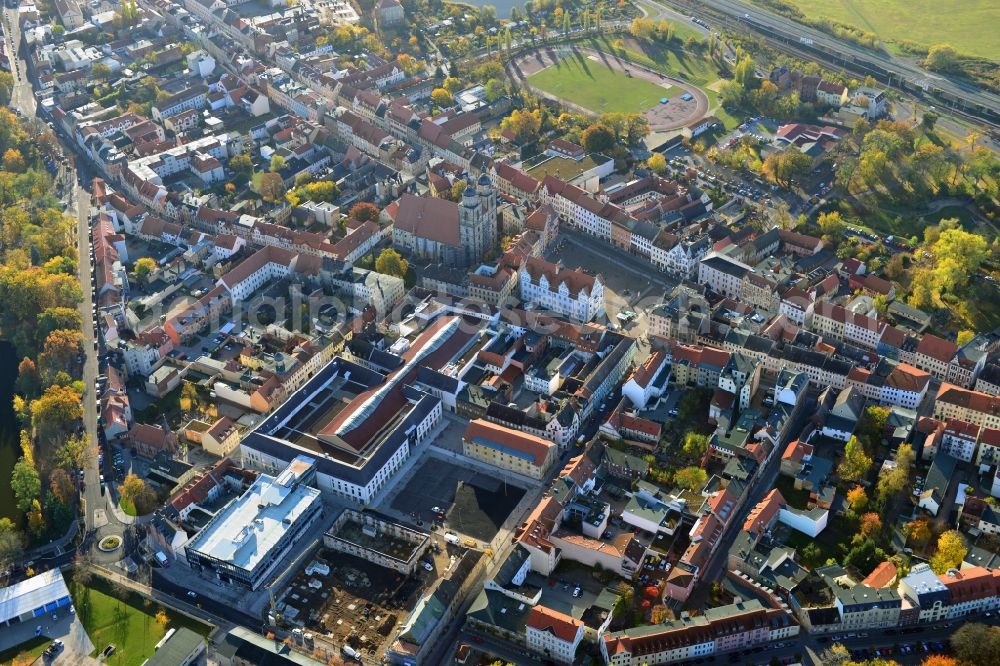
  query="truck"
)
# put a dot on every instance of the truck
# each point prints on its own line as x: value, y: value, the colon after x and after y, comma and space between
x: 806, y: 40
x: 351, y: 652
x: 451, y: 538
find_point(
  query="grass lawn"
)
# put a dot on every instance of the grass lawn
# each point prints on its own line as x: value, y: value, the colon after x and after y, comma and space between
x: 981, y: 307
x: 128, y: 507
x: 887, y: 219
x: 566, y: 169
x: 697, y: 71
x: 597, y: 87
x: 729, y: 121
x: 129, y: 624
x: 26, y: 653
x: 838, y: 531
x: 961, y: 23
x: 681, y: 28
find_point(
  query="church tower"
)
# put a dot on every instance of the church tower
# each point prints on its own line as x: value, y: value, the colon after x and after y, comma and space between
x: 477, y: 220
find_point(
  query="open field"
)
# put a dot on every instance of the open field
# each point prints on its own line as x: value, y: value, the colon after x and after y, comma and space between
x: 596, y: 77
x: 596, y: 86
x: 129, y: 623
x: 679, y: 65
x: 961, y: 23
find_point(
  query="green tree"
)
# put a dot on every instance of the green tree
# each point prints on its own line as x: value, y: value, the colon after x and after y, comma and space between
x: 363, y: 212
x: 75, y: 453
x: 976, y: 643
x: 629, y: 128
x: 692, y: 478
x: 864, y: 557
x: 241, y: 164
x: 597, y: 139
x: 142, y: 268
x: 951, y: 551
x: 390, y: 262
x: 277, y: 163
x: 917, y: 531
x: 896, y: 480
x: 101, y: 71
x: 743, y: 73
x: 964, y: 337
x: 643, y: 28
x: 441, y: 97
x: 942, y: 58
x: 857, y: 499
x: 657, y: 163
x: 53, y: 413
x: 6, y: 87
x: 781, y: 167
x: 856, y: 462
x: 873, y: 424
x: 928, y: 120
x: 494, y: 90
x: 695, y: 444
x: 26, y: 484
x: 11, y: 543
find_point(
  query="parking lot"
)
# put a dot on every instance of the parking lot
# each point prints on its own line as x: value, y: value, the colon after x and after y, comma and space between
x: 471, y: 502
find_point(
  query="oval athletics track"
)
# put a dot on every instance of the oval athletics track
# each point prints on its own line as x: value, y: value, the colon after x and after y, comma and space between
x: 677, y: 113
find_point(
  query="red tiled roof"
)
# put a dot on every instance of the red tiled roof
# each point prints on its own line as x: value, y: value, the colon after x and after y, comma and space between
x: 937, y: 348
x: 560, y: 625
x: 762, y: 515
x: 537, y: 447
x: 647, y: 371
x: 575, y: 280
x: 797, y: 450
x: 426, y: 217
x: 882, y: 576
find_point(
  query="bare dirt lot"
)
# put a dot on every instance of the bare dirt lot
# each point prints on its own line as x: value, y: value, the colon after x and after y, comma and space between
x: 356, y: 604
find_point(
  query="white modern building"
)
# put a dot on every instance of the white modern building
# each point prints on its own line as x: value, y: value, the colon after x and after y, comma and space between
x: 245, y: 541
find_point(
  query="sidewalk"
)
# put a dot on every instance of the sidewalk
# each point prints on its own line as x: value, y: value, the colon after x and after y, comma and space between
x: 57, y: 547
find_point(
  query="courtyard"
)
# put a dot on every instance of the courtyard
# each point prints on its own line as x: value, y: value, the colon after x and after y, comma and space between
x: 473, y: 503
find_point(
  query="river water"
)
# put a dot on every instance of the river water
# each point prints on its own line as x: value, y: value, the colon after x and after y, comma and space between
x: 9, y: 431
x: 502, y: 6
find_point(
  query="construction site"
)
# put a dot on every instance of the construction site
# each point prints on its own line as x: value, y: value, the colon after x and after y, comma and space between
x: 341, y: 600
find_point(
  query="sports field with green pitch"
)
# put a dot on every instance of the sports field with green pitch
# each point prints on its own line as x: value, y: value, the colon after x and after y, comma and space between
x: 968, y: 25
x: 598, y: 87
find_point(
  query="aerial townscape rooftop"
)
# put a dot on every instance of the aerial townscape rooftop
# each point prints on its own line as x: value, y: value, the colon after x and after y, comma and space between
x: 410, y: 333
